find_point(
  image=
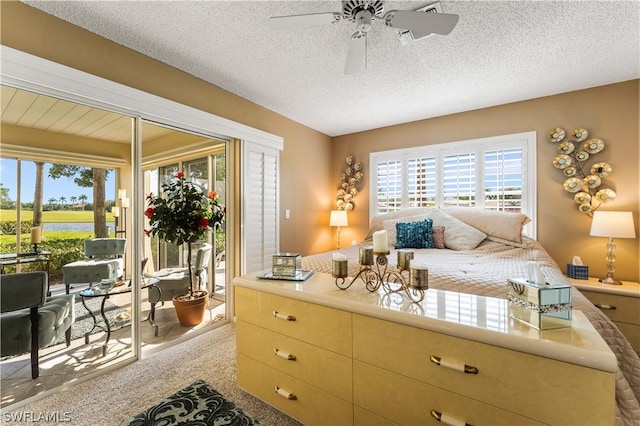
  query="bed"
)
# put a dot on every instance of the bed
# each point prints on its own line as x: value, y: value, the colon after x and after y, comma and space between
x: 475, y: 251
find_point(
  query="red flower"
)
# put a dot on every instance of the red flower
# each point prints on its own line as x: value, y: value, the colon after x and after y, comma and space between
x: 147, y: 232
x: 204, y: 222
x: 149, y: 212
x: 180, y: 175
x: 213, y: 194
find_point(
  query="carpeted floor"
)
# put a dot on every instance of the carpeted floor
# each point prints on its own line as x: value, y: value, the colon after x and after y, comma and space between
x: 116, y: 396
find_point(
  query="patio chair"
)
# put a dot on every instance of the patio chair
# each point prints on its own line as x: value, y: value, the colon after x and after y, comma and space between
x: 175, y: 281
x: 28, y: 320
x: 103, y: 260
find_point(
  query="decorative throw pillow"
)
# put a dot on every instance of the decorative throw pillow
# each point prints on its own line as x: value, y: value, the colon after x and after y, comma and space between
x: 414, y: 234
x: 390, y: 226
x: 438, y: 237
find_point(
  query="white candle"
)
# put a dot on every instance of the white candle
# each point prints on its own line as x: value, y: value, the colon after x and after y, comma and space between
x: 339, y: 256
x: 122, y: 193
x: 414, y: 264
x: 115, y: 211
x: 36, y: 235
x: 380, y: 244
x: 125, y: 203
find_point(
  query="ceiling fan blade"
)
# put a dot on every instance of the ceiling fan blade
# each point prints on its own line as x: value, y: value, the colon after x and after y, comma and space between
x: 300, y: 21
x: 421, y: 22
x: 357, y: 54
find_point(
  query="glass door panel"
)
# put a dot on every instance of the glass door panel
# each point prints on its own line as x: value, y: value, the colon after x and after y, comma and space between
x: 165, y: 153
x: 62, y: 163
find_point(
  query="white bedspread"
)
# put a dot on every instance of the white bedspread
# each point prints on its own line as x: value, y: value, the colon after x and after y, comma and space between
x: 485, y: 270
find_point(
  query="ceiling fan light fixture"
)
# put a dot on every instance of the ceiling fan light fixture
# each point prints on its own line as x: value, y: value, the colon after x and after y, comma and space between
x: 350, y: 8
x: 363, y: 12
x: 363, y: 21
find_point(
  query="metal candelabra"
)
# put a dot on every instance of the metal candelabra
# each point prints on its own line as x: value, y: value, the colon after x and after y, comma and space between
x: 391, y: 281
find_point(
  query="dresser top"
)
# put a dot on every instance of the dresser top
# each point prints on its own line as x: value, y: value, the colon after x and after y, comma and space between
x: 478, y: 318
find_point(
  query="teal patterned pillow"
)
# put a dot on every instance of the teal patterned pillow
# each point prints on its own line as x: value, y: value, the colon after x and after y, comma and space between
x: 414, y: 234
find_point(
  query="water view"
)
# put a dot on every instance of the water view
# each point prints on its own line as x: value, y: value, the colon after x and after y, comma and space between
x: 75, y: 226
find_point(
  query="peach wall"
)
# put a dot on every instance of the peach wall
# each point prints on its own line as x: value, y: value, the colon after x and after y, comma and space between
x: 305, y: 161
x: 608, y: 112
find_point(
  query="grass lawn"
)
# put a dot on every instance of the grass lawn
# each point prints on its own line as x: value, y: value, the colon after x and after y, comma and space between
x: 53, y: 216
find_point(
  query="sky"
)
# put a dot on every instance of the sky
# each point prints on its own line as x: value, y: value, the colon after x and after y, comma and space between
x: 53, y: 188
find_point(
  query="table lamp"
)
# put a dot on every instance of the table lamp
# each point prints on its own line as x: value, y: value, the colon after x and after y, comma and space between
x: 338, y: 218
x: 612, y: 225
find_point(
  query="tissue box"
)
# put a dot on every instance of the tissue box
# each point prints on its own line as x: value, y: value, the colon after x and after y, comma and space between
x: 541, y: 306
x: 579, y: 272
x: 286, y: 264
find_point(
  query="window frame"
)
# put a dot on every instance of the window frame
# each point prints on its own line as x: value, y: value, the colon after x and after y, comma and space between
x: 527, y: 141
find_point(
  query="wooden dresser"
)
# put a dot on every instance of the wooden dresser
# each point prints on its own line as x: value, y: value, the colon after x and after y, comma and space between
x: 331, y: 357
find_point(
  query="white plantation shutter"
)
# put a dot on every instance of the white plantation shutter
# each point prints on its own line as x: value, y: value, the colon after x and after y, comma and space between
x: 389, y: 193
x: 503, y: 179
x: 421, y: 182
x: 494, y: 173
x: 260, y: 229
x: 459, y: 180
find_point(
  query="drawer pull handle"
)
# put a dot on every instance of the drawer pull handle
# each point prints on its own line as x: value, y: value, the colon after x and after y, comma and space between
x: 447, y: 420
x: 283, y: 316
x: 463, y: 368
x: 288, y: 357
x: 609, y: 307
x: 286, y: 394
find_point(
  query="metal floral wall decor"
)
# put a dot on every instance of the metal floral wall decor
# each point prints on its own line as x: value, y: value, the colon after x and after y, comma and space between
x: 349, y: 182
x: 585, y: 183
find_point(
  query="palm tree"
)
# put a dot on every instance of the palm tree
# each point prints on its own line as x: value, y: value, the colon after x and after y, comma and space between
x: 73, y: 200
x: 63, y: 200
x: 52, y: 201
x: 87, y: 177
x: 83, y: 199
x: 38, y: 194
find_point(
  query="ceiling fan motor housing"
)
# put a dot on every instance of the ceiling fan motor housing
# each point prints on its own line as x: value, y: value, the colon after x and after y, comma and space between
x: 350, y: 8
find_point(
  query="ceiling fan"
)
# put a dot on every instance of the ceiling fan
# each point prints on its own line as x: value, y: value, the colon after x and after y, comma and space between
x: 363, y: 13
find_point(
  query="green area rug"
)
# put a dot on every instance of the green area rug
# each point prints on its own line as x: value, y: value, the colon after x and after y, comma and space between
x: 197, y: 404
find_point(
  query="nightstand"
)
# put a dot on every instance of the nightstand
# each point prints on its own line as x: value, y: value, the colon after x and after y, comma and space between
x: 621, y: 303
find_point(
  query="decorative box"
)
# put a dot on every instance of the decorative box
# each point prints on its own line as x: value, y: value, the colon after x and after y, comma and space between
x: 541, y: 306
x: 579, y: 272
x: 286, y: 264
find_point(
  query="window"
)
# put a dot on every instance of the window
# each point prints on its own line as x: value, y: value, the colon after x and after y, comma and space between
x: 493, y: 173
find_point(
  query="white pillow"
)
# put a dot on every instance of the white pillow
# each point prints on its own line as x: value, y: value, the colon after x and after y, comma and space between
x: 457, y: 234
x: 503, y: 227
x: 390, y: 226
x: 376, y: 221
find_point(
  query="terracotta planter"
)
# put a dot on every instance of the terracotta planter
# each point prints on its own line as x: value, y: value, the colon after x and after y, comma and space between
x: 191, y: 312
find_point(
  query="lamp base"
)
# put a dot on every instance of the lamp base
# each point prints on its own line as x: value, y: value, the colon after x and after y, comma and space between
x: 610, y: 281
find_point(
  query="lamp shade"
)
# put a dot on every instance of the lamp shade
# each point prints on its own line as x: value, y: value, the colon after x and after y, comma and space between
x: 612, y: 224
x: 338, y: 218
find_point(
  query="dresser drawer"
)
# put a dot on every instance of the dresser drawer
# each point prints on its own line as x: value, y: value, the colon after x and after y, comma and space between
x: 507, y: 379
x: 325, y: 327
x: 311, y: 405
x: 325, y: 369
x: 409, y: 402
x: 618, y: 308
x: 362, y: 417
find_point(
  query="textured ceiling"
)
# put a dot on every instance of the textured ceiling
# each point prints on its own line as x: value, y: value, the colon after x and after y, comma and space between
x: 500, y: 52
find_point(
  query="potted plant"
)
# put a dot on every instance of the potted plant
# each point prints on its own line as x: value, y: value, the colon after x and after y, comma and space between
x: 184, y: 213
